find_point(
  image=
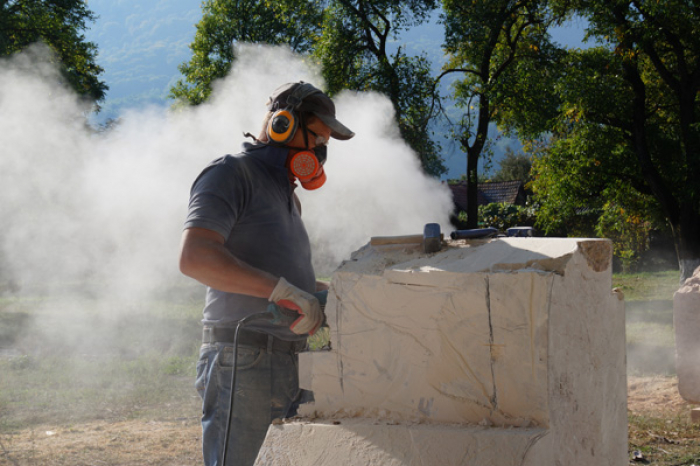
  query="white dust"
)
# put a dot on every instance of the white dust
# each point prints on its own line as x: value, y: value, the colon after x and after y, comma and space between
x: 107, y: 209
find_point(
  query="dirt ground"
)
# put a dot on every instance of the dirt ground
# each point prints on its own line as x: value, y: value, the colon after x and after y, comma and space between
x: 125, y: 443
x: 655, y: 396
x: 177, y: 442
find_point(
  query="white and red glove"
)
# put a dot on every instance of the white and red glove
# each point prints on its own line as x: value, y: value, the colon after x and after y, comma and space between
x: 306, y: 304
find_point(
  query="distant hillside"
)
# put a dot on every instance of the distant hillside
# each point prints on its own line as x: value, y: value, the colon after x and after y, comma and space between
x: 140, y: 47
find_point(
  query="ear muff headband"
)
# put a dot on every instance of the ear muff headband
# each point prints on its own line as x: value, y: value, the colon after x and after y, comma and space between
x: 284, y: 122
x: 282, y: 126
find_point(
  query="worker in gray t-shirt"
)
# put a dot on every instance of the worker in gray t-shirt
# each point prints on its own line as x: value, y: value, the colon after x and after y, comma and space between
x: 244, y: 239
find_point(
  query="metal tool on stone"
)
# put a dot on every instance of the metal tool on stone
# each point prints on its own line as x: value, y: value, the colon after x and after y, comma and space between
x: 278, y: 315
x: 430, y: 240
x: 475, y: 233
x: 521, y: 232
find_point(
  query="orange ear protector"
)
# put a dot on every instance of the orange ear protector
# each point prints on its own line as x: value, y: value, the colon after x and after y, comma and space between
x: 306, y: 168
x: 282, y: 126
x: 284, y: 121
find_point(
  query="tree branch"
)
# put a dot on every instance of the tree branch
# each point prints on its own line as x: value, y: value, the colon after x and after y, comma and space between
x: 665, y: 74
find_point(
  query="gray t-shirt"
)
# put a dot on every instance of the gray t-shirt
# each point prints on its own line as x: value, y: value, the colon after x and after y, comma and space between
x: 248, y: 199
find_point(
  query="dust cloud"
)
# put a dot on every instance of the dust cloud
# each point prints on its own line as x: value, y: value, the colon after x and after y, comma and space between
x: 102, y: 212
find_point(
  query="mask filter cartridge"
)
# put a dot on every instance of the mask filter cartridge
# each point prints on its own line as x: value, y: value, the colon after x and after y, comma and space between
x: 306, y: 168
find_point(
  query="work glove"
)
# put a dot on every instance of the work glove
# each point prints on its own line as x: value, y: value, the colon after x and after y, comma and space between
x: 306, y: 304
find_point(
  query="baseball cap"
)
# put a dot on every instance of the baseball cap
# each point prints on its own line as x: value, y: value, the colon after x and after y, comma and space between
x: 304, y: 97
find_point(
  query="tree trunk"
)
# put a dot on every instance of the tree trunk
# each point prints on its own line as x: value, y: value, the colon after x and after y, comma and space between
x: 472, y: 188
x: 473, y: 153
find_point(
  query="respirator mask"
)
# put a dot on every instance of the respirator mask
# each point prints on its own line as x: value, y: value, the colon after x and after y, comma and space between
x: 288, y: 105
x: 306, y: 165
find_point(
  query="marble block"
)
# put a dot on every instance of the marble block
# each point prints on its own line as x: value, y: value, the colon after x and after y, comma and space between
x: 686, y: 321
x: 513, y: 348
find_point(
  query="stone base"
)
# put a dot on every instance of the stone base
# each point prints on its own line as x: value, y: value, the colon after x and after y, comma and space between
x: 364, y: 442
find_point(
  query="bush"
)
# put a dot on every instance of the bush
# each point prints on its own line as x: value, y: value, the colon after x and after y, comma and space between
x: 503, y: 216
x: 630, y: 232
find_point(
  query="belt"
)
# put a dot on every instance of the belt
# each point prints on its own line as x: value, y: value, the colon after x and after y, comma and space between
x: 250, y: 338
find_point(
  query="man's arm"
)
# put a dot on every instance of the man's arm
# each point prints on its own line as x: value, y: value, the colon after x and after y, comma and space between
x: 204, y: 257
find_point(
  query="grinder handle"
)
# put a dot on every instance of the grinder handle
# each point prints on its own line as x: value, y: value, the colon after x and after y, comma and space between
x: 285, y: 317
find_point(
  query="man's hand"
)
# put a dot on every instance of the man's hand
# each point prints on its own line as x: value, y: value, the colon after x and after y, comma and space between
x: 306, y: 304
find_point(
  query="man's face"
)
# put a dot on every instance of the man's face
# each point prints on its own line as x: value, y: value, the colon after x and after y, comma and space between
x: 321, y: 131
x: 317, y: 134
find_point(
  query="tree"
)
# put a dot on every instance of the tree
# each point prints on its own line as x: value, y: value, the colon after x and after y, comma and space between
x: 485, y: 40
x: 355, y: 53
x: 58, y: 24
x: 637, y: 96
x: 513, y: 166
x: 227, y: 22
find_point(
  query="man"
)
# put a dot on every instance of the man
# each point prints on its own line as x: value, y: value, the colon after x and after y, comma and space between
x: 245, y: 240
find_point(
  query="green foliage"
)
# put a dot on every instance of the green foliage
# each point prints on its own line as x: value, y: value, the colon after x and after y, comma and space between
x: 513, y: 166
x: 504, y: 216
x: 581, y: 183
x: 628, y: 227
x: 486, y: 42
x: 58, y: 24
x: 568, y: 181
x: 321, y: 340
x: 626, y: 115
x: 225, y: 23
x: 354, y: 53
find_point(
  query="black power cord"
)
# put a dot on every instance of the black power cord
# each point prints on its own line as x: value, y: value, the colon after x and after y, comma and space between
x: 234, y: 364
x: 277, y: 315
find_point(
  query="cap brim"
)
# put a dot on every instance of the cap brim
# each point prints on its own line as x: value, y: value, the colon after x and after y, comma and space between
x: 338, y: 130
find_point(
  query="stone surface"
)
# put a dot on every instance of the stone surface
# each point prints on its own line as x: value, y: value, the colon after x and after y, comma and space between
x: 695, y: 415
x: 364, y: 442
x: 686, y: 321
x: 501, y: 351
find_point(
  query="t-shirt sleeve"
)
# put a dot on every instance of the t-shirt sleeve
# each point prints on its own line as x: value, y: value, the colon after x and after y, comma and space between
x: 215, y: 200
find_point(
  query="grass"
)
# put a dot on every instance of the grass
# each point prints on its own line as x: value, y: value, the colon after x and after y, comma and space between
x: 671, y: 440
x: 75, y: 358
x: 649, y: 315
x: 647, y: 286
x: 59, y: 390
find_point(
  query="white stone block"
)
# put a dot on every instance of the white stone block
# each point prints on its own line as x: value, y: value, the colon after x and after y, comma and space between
x: 365, y: 442
x: 686, y: 321
x: 513, y: 348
